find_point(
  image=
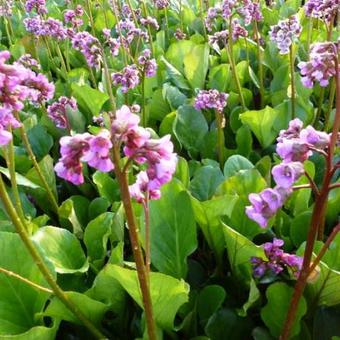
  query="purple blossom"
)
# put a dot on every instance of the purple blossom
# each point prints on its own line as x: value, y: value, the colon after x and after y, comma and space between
x: 265, y: 204
x: 161, y: 4
x: 293, y: 150
x: 128, y: 78
x: 73, y: 148
x: 50, y: 27
x: 150, y: 21
x: 211, y: 99
x: 28, y: 61
x: 7, y: 121
x: 285, y: 33
x: 227, y: 7
x: 6, y: 8
x: 57, y: 111
x: 149, y: 65
x: 38, y: 5
x: 322, y: 9
x: 73, y: 16
x: 212, y: 14
x: 98, y: 154
x: 277, y: 261
x: 140, y: 190
x: 88, y: 45
x: 317, y: 139
x: 219, y: 38
x: 321, y: 66
x: 113, y: 43
x: 238, y: 31
x: 251, y: 11
x: 179, y: 35
x: 286, y: 174
x: 125, y: 121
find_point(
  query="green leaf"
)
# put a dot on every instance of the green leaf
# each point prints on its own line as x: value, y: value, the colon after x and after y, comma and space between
x: 61, y: 248
x: 190, y: 128
x: 35, y: 333
x: 300, y: 227
x: 226, y: 324
x: 92, y: 309
x: 234, y: 164
x: 240, y: 250
x: 175, y: 76
x: 182, y: 171
x: 47, y: 169
x: 73, y: 213
x: 159, y: 108
x: 167, y: 293
x: 244, y: 141
x: 219, y: 77
x: 173, y: 230
x: 41, y: 142
x: 208, y: 214
x: 205, y: 182
x: 274, y: 313
x: 196, y: 64
x: 96, y: 236
x: 173, y: 95
x: 89, y: 99
x: 177, y: 51
x: 19, y: 302
x: 261, y: 123
x: 209, y: 300
x: 242, y: 184
x: 254, y: 296
x: 107, y: 186
x: 21, y: 180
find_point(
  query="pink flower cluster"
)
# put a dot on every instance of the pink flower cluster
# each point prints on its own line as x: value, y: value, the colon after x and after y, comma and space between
x: 211, y: 99
x: 57, y: 111
x: 285, y: 33
x: 50, y: 27
x: 17, y: 85
x: 277, y: 261
x: 129, y: 77
x: 6, y: 8
x: 323, y: 9
x: 89, y: 46
x: 95, y: 150
x: 155, y: 155
x: 294, y: 146
x: 38, y: 5
x: 74, y: 16
x: 321, y: 65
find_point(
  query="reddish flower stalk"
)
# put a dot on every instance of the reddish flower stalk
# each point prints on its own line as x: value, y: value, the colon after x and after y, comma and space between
x: 317, y: 219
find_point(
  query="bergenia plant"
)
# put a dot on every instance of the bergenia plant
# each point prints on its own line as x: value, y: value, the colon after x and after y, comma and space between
x: 169, y: 169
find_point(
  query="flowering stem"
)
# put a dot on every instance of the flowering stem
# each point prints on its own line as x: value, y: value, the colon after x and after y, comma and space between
x: 60, y: 55
x: 220, y: 137
x: 229, y: 50
x: 6, y: 21
x: 23, y: 279
x: 292, y: 79
x: 318, y: 112
x: 334, y: 186
x: 309, y: 32
x: 145, y: 12
x: 312, y: 183
x: 10, y: 161
x: 136, y: 249
x: 202, y: 19
x: 40, y: 263
x: 31, y: 155
x: 324, y: 248
x: 89, y: 13
x: 330, y: 104
x: 144, y: 120
x: 260, y: 62
x: 319, y: 209
x: 146, y: 208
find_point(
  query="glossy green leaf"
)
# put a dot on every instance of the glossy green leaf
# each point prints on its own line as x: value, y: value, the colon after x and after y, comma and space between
x: 205, y: 182
x: 208, y: 214
x: 106, y: 185
x: 96, y: 236
x: 240, y: 250
x: 61, y: 248
x: 261, y: 123
x: 89, y: 99
x: 19, y: 301
x: 167, y: 293
x: 92, y: 309
x: 173, y: 230
x: 234, y: 164
x: 275, y: 311
x: 190, y: 128
x: 196, y: 64
x: 41, y: 142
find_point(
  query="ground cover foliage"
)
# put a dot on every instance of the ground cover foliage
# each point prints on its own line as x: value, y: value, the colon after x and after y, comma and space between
x: 169, y: 169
